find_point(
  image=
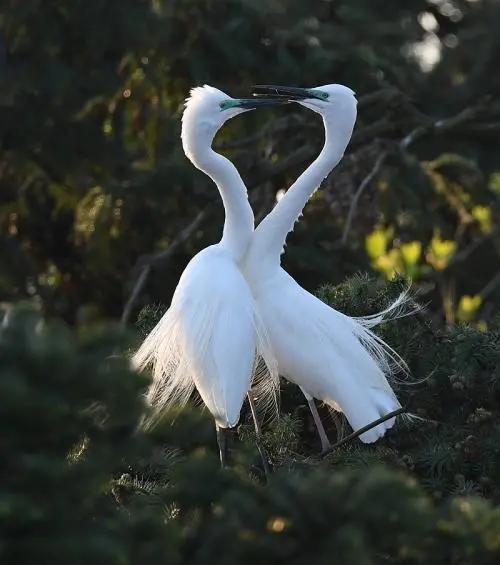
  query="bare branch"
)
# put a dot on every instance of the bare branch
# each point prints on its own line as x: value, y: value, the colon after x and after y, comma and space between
x: 437, y: 126
x: 490, y: 286
x: 147, y: 262
x: 276, y: 126
x: 357, y: 195
x: 265, y: 205
x: 364, y: 429
x: 463, y: 255
x: 134, y: 295
x: 162, y: 256
x: 384, y: 96
x: 380, y: 128
x: 301, y: 155
x: 443, y: 125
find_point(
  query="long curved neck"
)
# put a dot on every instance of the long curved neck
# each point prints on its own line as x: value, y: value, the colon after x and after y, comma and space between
x: 270, y: 235
x: 239, y: 222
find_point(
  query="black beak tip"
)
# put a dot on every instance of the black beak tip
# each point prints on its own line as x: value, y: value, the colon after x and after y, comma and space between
x: 267, y: 90
x: 262, y: 102
x: 276, y: 91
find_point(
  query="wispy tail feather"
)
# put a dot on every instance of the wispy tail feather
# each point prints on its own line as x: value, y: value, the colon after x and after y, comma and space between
x: 174, y: 363
x: 386, y: 357
x: 172, y: 372
x: 265, y: 382
x: 403, y: 306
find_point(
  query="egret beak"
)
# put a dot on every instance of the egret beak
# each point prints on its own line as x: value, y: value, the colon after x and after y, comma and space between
x: 252, y: 103
x: 265, y: 91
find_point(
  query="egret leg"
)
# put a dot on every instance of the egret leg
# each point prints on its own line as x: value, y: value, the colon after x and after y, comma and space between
x: 339, y: 424
x: 325, y: 442
x: 258, y: 432
x: 223, y: 441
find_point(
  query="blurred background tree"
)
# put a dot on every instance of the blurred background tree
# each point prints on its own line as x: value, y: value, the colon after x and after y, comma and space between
x: 100, y: 212
x: 94, y: 185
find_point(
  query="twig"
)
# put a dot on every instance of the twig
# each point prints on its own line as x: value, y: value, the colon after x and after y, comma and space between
x: 382, y: 128
x: 461, y: 256
x: 298, y: 157
x: 354, y: 202
x: 274, y: 127
x: 161, y: 256
x: 132, y: 299
x: 436, y: 126
x: 442, y: 125
x: 385, y: 95
x: 364, y: 429
x: 265, y: 205
x: 147, y: 262
x: 493, y: 128
x: 490, y: 286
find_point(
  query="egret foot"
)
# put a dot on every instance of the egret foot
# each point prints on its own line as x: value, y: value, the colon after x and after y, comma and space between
x: 325, y: 442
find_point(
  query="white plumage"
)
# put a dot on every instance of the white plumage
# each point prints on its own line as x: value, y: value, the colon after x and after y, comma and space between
x: 235, y: 305
x: 210, y: 338
x: 332, y: 357
x: 206, y: 339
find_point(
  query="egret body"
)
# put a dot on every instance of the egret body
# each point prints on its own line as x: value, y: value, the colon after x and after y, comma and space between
x: 331, y: 356
x: 210, y: 336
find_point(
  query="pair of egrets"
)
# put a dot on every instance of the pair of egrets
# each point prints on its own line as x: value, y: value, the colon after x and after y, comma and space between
x: 235, y: 306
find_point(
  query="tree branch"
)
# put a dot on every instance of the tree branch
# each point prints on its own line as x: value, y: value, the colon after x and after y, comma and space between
x: 147, y: 262
x: 162, y: 256
x: 363, y: 430
x: 357, y: 195
x: 301, y: 155
x: 443, y: 125
x: 437, y: 126
x: 490, y: 286
x: 134, y: 295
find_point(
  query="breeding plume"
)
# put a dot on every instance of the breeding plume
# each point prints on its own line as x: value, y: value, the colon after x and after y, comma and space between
x: 211, y: 336
x: 331, y: 356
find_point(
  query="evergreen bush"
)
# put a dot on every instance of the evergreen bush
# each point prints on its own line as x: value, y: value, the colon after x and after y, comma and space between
x: 82, y: 482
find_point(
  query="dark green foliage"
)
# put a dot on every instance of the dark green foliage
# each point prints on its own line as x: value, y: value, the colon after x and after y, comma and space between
x: 281, y: 439
x: 82, y: 483
x: 93, y: 180
x: 362, y: 295
x: 452, y: 443
x: 69, y: 412
x: 454, y: 390
x: 92, y: 175
x: 148, y: 317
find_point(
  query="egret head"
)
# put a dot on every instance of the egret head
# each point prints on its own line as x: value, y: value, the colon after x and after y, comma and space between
x: 208, y: 108
x: 325, y: 100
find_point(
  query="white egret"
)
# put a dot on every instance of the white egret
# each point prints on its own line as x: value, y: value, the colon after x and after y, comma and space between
x: 331, y: 356
x: 210, y: 336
